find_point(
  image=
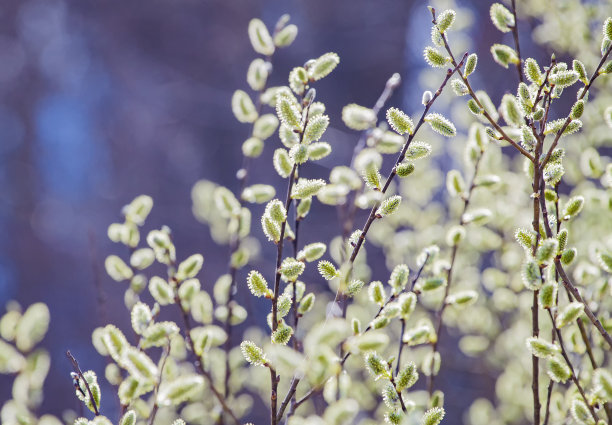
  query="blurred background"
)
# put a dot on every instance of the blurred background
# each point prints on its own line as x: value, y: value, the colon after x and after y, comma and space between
x: 101, y: 101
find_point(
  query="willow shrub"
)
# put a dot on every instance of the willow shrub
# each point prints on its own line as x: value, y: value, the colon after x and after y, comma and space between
x: 510, y: 253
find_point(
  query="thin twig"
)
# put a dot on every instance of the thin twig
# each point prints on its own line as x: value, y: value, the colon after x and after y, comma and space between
x: 164, y: 357
x: 514, y: 28
x: 78, y: 371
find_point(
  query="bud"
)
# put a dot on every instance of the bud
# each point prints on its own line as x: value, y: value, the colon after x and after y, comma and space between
x: 418, y: 150
x: 531, y: 275
x: 572, y: 208
x: 434, y: 58
x: 558, y: 370
x: 243, y: 107
x: 288, y: 112
x: 291, y: 269
x: 455, y: 185
x: 511, y: 112
x: 257, y: 74
x: 117, y: 269
x: 445, y: 20
x: 327, y: 270
x: 404, y: 169
x: 474, y: 108
x: 286, y: 36
x: 322, y: 66
x: 470, y: 64
x: 501, y: 17
x: 564, y: 79
x: 260, y: 38
x: 459, y: 87
x: 358, y: 117
x: 257, y: 285
x: 265, y: 126
x: 315, y: 128
x: 252, y: 147
x: 569, y: 314
x: 441, y: 125
x: 307, y: 303
x: 282, y: 162
x: 603, y: 383
x: 578, y: 67
x: 504, y: 55
x: 312, y: 252
x: 318, y: 150
x: 607, y: 29
x: 433, y: 416
x: 270, y: 228
x: 305, y: 188
x: 282, y: 334
x: 532, y: 71
x: 389, y: 206
x: 190, y: 267
x: 541, y: 348
x: 426, y: 98
x: 568, y: 256
x: 556, y: 126
x: 548, y: 295
x: 253, y: 354
x: 462, y: 298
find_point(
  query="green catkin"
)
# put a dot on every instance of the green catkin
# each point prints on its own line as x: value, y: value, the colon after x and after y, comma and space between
x: 399, y: 121
x: 441, y: 125
x: 445, y: 20
x: 470, y: 64
x: 504, y: 55
x: 501, y: 17
x: 434, y: 58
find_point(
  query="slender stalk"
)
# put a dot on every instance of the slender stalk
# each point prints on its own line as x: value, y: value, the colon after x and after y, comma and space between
x: 77, y: 369
x: 401, y: 346
x: 401, y: 157
x: 449, y: 275
x: 519, y: 66
x: 164, y: 357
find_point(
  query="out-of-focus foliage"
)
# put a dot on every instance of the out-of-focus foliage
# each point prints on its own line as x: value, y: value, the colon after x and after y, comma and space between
x: 508, y: 252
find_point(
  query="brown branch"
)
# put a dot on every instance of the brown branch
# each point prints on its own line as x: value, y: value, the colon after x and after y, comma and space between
x: 516, y: 42
x: 78, y: 371
x: 164, y: 357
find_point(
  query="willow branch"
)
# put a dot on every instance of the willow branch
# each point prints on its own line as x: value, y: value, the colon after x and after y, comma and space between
x: 514, y: 28
x: 78, y: 371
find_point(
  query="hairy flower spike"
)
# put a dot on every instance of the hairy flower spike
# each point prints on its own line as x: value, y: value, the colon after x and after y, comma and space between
x: 455, y: 184
x: 286, y: 36
x: 354, y: 287
x: 470, y: 64
x: 327, y: 270
x: 441, y: 125
x: 305, y: 188
x: 504, y: 55
x: 318, y: 150
x: 376, y: 365
x: 605, y: 261
x: 577, y: 109
x: 399, y: 121
x: 371, y: 176
x: 376, y: 292
x: 270, y: 228
x: 407, y: 377
x: 323, y: 65
x: 307, y: 303
x: 531, y: 275
x: 459, y: 87
x: 257, y: 74
x: 607, y: 28
x: 260, y: 38
x: 568, y: 256
x: 258, y: 285
x: 501, y: 17
x: 556, y: 126
x: 404, y: 169
x: 418, y: 150
x: 434, y: 58
x: 433, y: 416
x: 547, y: 251
x: 253, y: 354
x: 569, y: 314
x: 572, y: 208
x: 580, y: 412
x: 282, y: 334
x: 548, y: 295
x: 445, y: 20
x: 389, y: 206
x: 602, y: 379
x: 190, y: 267
x: 358, y: 117
x: 291, y: 268
x: 532, y: 71
x: 474, y: 108
x: 315, y: 128
x: 276, y: 211
x: 564, y: 79
x: 288, y: 112
x: 579, y: 68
